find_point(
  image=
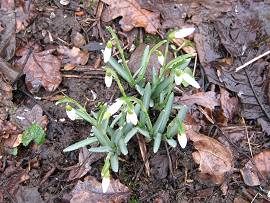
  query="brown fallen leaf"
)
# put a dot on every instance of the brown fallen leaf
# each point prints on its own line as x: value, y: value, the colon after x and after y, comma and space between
x: 77, y: 39
x: 28, y: 195
x: 86, y: 158
x: 25, y: 117
x: 25, y: 13
x: 251, y: 174
x: 91, y: 191
x: 206, y: 99
x: 7, y: 35
x: 132, y: 15
x: 73, y: 56
x: 214, y: 159
x: 41, y: 69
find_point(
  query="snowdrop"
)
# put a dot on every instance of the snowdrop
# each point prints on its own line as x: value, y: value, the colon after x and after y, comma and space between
x: 115, y: 106
x: 105, y: 184
x: 161, y: 58
x: 182, y: 33
x: 108, y: 80
x: 182, y: 139
x: 181, y: 76
x: 107, y: 52
x: 132, y: 117
x: 71, y: 113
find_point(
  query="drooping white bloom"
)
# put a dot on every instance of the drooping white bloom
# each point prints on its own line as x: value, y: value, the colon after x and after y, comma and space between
x: 132, y: 117
x: 161, y: 58
x: 71, y: 113
x: 182, y: 139
x: 184, y: 32
x: 107, y: 52
x: 105, y: 184
x: 108, y: 80
x: 115, y: 106
x: 178, y: 78
x: 190, y: 80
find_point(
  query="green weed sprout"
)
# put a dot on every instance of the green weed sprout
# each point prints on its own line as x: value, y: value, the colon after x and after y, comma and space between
x: 113, y: 126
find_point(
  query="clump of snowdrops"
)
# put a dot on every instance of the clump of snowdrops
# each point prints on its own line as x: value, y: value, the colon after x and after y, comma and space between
x: 113, y: 126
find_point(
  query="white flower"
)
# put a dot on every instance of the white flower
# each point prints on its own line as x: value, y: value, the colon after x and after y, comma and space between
x: 107, y: 52
x: 108, y: 80
x: 105, y: 184
x: 71, y: 113
x: 182, y: 139
x: 190, y: 80
x: 115, y: 106
x: 181, y: 76
x: 161, y: 58
x: 178, y: 78
x: 184, y: 32
x: 132, y: 117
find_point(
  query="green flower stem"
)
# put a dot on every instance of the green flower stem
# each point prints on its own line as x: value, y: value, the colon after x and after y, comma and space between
x: 114, y: 74
x: 121, y: 52
x: 148, y: 120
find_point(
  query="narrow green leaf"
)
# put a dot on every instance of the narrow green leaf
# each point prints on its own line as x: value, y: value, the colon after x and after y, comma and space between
x: 119, y: 69
x: 81, y: 144
x: 100, y: 149
x: 147, y: 96
x: 167, y: 113
x: 157, y: 141
x: 172, y: 142
x: 139, y: 89
x: 172, y: 128
x: 114, y: 162
x: 154, y: 77
x: 158, y: 122
x: 123, y: 146
x: 117, y: 135
x: 144, y: 62
x: 144, y: 133
x: 130, y: 134
x: 161, y: 86
x: 102, y: 138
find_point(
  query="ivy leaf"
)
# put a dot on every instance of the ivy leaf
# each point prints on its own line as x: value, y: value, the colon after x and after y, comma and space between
x: 33, y: 133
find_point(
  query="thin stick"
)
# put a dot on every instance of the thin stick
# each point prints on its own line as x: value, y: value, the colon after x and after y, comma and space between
x: 252, y: 61
x: 246, y: 131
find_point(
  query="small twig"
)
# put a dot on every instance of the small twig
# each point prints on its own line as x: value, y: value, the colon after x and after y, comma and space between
x: 170, y: 160
x: 252, y: 61
x: 48, y: 174
x: 246, y: 131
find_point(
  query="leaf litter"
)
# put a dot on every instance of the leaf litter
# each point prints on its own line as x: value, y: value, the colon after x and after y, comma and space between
x: 215, y: 41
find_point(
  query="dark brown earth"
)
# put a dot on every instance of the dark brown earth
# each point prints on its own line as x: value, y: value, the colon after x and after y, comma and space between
x: 228, y: 33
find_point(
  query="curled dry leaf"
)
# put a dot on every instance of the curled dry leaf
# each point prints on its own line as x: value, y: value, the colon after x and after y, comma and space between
x: 86, y: 158
x: 77, y: 39
x: 132, y: 15
x: 25, y: 117
x: 73, y: 56
x: 41, y: 69
x: 214, y: 159
x: 206, y: 99
x: 252, y: 174
x: 7, y: 35
x: 25, y: 12
x: 91, y: 191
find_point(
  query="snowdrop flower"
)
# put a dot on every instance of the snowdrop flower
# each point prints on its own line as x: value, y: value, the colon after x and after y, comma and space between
x: 132, y: 117
x: 182, y: 33
x: 108, y: 80
x: 161, y: 58
x: 181, y: 76
x: 105, y: 184
x: 115, y: 106
x: 182, y: 139
x: 107, y: 52
x: 71, y: 113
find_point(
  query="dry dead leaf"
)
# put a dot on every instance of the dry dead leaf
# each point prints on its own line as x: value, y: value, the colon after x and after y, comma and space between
x: 214, y: 159
x: 252, y: 174
x: 73, y: 56
x: 41, y: 69
x: 28, y: 195
x: 132, y: 15
x: 206, y: 99
x: 25, y: 12
x: 86, y: 158
x: 25, y: 117
x: 91, y: 191
x: 77, y: 39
